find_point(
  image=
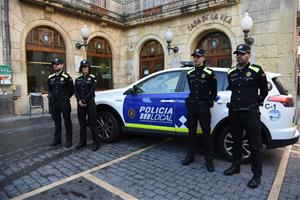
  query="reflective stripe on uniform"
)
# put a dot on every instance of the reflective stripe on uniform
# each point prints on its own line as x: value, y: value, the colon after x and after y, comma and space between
x: 51, y: 75
x: 64, y: 75
x: 193, y: 69
x: 207, y: 70
x: 91, y: 75
x: 231, y: 70
x: 256, y: 69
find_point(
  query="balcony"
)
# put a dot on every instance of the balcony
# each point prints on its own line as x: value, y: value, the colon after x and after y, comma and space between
x: 132, y: 12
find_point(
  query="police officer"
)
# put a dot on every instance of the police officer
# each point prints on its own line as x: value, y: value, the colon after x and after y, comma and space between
x: 203, y: 90
x: 85, y: 86
x: 248, y: 84
x: 61, y: 89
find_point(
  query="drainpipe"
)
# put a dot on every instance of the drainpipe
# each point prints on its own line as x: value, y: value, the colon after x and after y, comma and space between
x: 7, y: 32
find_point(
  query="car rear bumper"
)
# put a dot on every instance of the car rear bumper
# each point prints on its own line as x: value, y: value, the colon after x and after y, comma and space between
x: 276, y: 143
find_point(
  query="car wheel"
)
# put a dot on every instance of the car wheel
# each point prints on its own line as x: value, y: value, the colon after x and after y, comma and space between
x: 225, y: 144
x: 108, y: 127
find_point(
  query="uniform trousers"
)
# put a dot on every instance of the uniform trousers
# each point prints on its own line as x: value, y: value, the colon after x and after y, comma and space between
x: 89, y: 111
x: 248, y: 121
x: 58, y: 107
x: 201, y: 114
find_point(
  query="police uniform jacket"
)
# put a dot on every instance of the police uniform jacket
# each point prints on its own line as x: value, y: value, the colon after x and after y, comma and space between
x: 60, y: 86
x: 248, y: 85
x: 203, y: 85
x: 85, y: 86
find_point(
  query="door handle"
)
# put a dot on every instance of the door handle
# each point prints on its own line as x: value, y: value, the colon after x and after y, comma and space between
x: 167, y: 101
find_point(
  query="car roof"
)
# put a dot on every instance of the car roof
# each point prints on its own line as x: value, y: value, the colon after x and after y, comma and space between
x: 221, y: 69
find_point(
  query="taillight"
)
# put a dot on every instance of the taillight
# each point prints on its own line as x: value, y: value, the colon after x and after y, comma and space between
x: 285, y: 100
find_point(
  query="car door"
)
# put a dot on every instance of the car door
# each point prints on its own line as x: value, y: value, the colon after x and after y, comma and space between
x: 151, y: 106
x: 218, y: 111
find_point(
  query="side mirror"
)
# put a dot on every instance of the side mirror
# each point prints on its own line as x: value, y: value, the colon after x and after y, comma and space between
x: 132, y: 91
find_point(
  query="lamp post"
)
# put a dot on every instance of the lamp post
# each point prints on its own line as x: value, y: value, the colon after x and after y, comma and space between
x: 169, y: 38
x: 85, y: 33
x: 246, y: 25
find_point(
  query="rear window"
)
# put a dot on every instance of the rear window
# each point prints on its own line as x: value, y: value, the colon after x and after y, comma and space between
x: 280, y: 86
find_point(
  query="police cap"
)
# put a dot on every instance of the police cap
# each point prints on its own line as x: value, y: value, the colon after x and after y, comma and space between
x: 198, y: 52
x: 57, y: 61
x: 84, y: 63
x: 242, y: 48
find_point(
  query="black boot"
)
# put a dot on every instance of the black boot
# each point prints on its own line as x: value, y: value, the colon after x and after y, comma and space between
x: 68, y: 144
x: 80, y: 145
x: 55, y: 142
x: 95, y: 146
x: 254, y: 182
x: 188, y: 159
x: 233, y: 169
x: 210, y: 166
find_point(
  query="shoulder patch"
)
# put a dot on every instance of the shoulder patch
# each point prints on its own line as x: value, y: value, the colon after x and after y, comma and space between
x: 51, y: 75
x: 207, y: 70
x: 190, y: 71
x: 65, y: 75
x: 231, y: 70
x: 255, y: 68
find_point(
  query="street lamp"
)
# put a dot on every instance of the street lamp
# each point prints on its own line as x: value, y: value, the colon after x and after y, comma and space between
x: 168, y: 38
x: 246, y: 25
x: 85, y: 33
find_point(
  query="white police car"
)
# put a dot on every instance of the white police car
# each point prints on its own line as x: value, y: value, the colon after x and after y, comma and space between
x: 156, y: 105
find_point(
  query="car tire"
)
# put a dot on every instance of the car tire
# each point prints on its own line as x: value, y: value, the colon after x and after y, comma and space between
x: 225, y: 144
x: 108, y: 127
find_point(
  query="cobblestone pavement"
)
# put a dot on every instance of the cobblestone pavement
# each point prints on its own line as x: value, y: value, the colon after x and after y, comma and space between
x: 28, y: 163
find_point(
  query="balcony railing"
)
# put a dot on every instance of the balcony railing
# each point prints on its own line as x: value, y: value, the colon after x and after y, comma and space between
x: 132, y: 12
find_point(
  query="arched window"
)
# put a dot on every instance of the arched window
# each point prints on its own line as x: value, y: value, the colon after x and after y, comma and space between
x: 100, y: 56
x: 217, y: 48
x: 151, y: 58
x: 43, y: 44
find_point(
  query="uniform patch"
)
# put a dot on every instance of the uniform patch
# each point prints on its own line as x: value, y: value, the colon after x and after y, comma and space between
x: 62, y: 79
x: 131, y: 113
x: 203, y: 75
x: 248, y: 74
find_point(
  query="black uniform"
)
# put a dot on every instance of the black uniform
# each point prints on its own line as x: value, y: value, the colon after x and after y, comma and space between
x: 85, y: 86
x: 249, y: 89
x: 203, y: 90
x: 61, y: 89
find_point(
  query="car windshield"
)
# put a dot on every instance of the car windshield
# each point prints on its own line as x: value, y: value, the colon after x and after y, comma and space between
x: 280, y: 86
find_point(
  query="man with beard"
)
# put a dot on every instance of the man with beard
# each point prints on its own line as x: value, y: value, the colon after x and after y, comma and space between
x: 60, y: 90
x: 249, y: 88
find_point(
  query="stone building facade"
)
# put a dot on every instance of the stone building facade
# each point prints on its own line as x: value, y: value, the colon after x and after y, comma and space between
x: 127, y: 38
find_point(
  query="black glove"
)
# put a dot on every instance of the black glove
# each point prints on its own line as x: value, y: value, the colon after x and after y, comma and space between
x: 228, y: 105
x: 187, y: 102
x: 211, y: 103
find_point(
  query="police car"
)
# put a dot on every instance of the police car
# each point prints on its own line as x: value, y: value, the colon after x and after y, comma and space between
x: 156, y: 105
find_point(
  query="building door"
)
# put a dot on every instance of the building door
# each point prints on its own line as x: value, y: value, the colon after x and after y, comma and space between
x: 100, y: 56
x: 217, y: 48
x: 43, y: 44
x: 151, y: 58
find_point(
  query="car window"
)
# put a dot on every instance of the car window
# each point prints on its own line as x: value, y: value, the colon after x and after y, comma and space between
x: 280, y: 86
x: 161, y: 83
x: 221, y: 80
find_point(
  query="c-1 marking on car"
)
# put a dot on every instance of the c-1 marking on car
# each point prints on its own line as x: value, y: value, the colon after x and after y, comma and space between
x: 268, y: 106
